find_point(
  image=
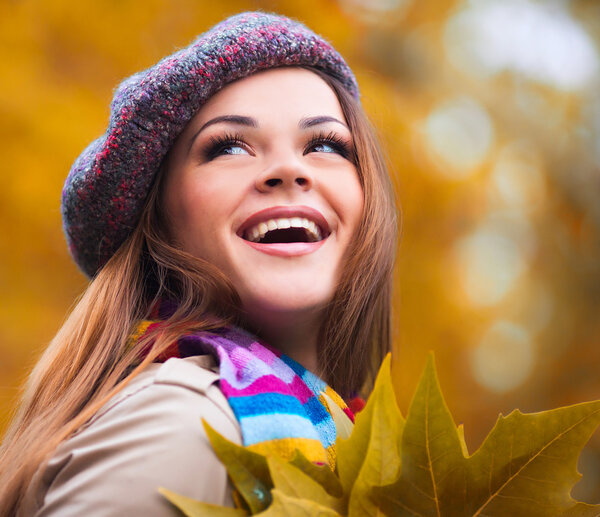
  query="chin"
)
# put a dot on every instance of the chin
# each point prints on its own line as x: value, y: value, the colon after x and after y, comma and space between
x: 285, y: 304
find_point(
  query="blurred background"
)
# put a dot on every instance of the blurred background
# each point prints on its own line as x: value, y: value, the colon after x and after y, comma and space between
x: 490, y: 114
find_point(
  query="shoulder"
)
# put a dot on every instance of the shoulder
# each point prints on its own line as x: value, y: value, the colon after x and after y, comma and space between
x: 150, y: 435
x: 185, y: 388
x: 174, y: 396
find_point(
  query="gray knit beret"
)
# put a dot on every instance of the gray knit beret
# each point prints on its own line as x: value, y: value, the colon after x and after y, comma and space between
x: 107, y: 186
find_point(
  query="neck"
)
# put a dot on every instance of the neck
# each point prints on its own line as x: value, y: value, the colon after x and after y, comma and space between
x: 294, y: 336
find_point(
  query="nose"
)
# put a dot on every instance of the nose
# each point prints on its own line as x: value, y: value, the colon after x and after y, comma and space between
x: 284, y: 172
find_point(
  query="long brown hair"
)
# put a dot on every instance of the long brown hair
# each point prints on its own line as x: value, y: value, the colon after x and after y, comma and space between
x: 92, y: 357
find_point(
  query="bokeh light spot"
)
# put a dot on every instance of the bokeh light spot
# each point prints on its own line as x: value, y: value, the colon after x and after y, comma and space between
x: 517, y: 180
x: 504, y: 357
x: 534, y: 308
x: 539, y: 40
x: 378, y: 5
x: 376, y: 11
x: 459, y: 135
x: 489, y: 264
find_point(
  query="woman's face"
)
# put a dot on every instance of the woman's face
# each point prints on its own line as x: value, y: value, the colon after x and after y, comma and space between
x: 262, y: 184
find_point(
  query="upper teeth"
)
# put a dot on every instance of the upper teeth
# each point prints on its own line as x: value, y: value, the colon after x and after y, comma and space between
x: 256, y: 233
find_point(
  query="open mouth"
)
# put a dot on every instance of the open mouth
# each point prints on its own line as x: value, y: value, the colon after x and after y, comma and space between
x: 284, y: 230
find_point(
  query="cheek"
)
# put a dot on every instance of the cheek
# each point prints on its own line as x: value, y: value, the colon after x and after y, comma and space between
x: 192, y: 211
x: 348, y: 197
x: 357, y: 204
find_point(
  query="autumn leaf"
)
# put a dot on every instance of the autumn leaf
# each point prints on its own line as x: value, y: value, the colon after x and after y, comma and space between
x: 285, y: 506
x: 322, y: 474
x: 526, y: 466
x: 461, y: 437
x: 370, y: 457
x: 248, y: 470
x: 528, y: 463
x: 351, y: 453
x: 192, y: 508
x: 432, y: 479
x: 581, y: 510
x: 291, y: 481
x: 419, y: 466
x: 343, y: 424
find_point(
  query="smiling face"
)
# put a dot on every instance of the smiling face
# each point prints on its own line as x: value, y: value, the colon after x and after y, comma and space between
x: 262, y: 184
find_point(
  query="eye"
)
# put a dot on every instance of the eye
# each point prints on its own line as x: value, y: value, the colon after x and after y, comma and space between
x: 233, y: 149
x: 330, y: 143
x: 324, y: 148
x: 225, y: 145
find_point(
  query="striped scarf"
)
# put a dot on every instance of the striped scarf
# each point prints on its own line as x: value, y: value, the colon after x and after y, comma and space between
x: 279, y: 404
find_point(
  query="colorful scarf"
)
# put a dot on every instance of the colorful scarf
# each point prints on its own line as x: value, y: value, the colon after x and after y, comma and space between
x: 279, y: 404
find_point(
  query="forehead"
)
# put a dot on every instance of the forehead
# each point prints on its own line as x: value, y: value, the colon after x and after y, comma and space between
x: 278, y: 92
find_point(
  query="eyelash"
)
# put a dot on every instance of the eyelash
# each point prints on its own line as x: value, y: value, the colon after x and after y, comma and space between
x: 338, y: 144
x: 217, y: 144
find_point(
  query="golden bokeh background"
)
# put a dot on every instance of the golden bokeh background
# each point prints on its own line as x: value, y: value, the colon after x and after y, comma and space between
x: 490, y: 114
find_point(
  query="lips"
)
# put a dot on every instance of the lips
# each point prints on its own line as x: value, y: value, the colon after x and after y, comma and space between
x: 285, y: 230
x: 284, y: 224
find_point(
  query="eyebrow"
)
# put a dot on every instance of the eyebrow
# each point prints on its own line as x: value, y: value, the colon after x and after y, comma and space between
x: 305, y: 123
x: 231, y: 119
x: 241, y: 120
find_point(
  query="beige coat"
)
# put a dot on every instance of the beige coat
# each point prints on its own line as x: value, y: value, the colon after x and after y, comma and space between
x: 148, y: 436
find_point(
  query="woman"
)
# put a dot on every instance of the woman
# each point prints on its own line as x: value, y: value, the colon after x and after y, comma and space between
x: 238, y: 225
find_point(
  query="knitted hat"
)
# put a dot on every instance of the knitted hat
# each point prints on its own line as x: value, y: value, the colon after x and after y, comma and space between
x: 107, y: 186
